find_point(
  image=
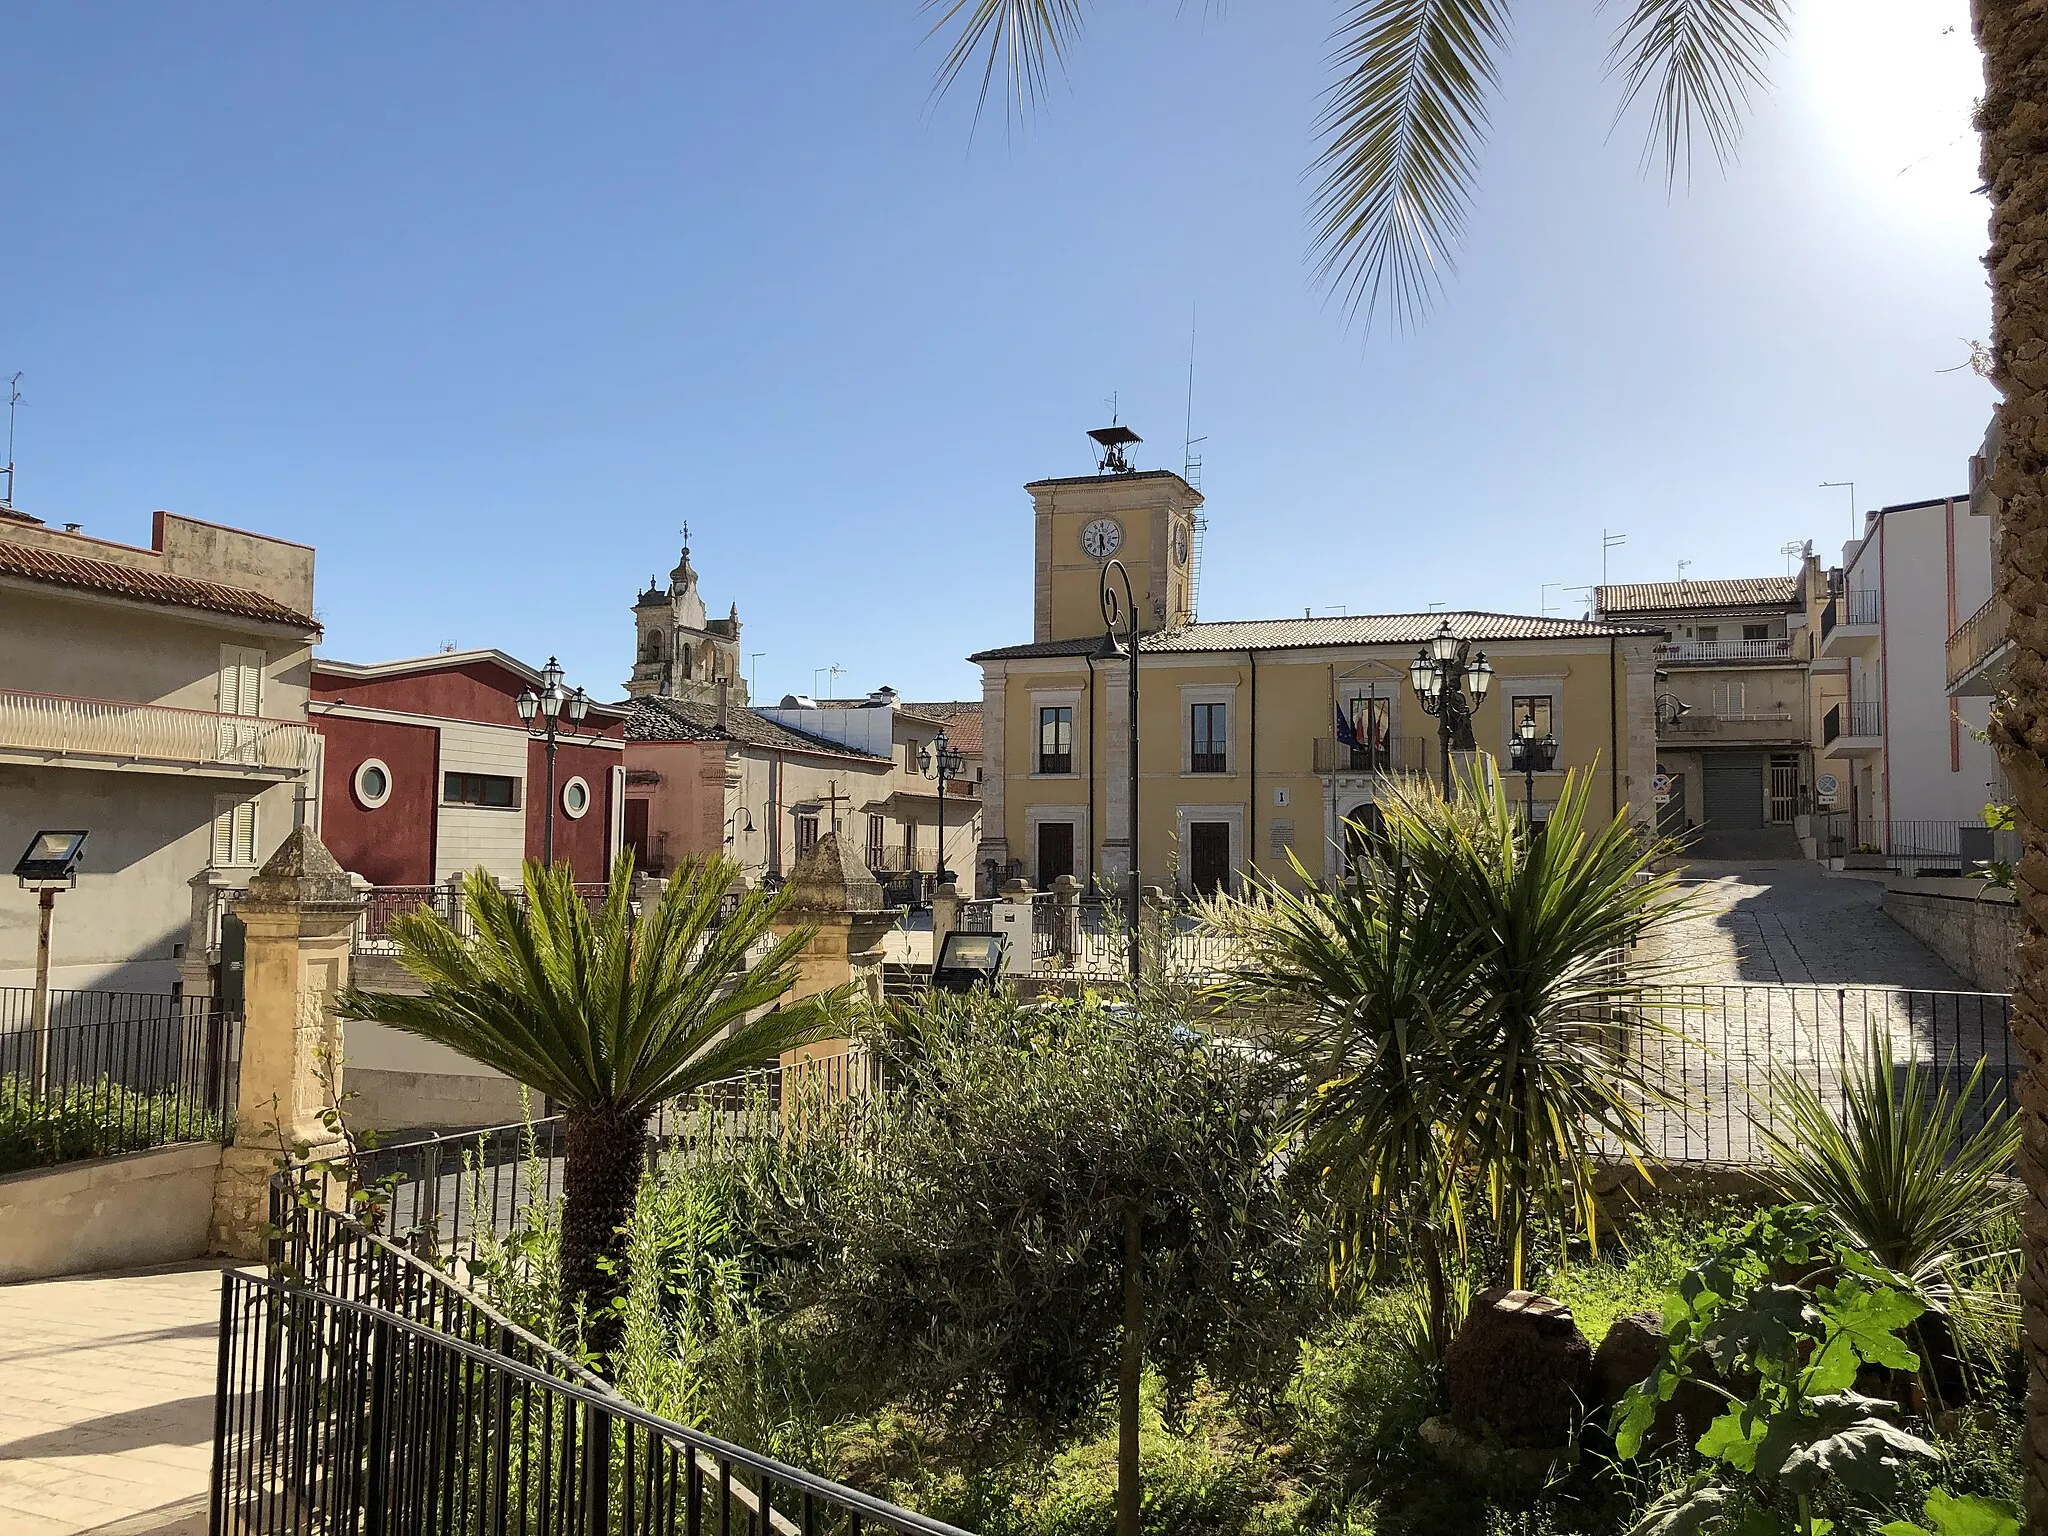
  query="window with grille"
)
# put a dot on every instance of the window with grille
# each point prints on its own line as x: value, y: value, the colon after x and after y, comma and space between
x: 877, y: 829
x: 1208, y: 751
x: 491, y: 790
x: 1056, y: 739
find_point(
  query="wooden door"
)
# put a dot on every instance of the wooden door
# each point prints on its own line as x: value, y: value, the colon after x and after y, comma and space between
x: 636, y: 832
x: 1208, y: 856
x: 1055, y: 851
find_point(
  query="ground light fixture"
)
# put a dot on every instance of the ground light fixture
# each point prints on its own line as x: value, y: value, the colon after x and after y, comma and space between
x: 48, y: 865
x: 1450, y: 681
x: 549, y: 704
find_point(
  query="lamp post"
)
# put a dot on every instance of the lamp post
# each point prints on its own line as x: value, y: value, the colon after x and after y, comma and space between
x: 1531, y: 757
x: 1123, y: 609
x: 1442, y: 676
x: 940, y: 761
x: 550, y: 703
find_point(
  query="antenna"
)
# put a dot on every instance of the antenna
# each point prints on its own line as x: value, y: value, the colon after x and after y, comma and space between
x: 1790, y: 549
x: 1191, y: 462
x: 1825, y: 485
x: 13, y: 403
x: 1609, y: 541
x: 1681, y: 571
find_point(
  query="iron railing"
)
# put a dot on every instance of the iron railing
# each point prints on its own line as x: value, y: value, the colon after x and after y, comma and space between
x: 1711, y: 652
x: 65, y: 726
x: 1977, y: 637
x: 1397, y: 754
x: 333, y: 1415
x: 1857, y: 606
x: 1858, y: 717
x: 1724, y: 1054
x: 114, y: 1072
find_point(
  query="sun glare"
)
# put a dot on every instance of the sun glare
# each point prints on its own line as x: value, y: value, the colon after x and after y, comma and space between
x: 1894, y: 83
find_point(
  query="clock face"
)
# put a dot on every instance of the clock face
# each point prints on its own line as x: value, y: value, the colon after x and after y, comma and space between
x: 1102, y: 538
x: 1180, y: 546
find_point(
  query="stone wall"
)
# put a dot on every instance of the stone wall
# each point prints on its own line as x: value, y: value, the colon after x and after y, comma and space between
x: 1973, y: 927
x: 110, y: 1213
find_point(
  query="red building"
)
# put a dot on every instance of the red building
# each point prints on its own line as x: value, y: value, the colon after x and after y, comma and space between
x: 426, y: 770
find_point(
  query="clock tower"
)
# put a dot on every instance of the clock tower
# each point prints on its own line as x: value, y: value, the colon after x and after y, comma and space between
x: 1143, y: 517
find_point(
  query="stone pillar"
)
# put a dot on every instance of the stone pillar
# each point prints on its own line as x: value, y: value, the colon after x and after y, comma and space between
x: 1066, y: 924
x: 833, y: 893
x: 299, y: 913
x: 945, y: 915
x: 1011, y: 917
x: 195, y: 966
x: 1152, y: 933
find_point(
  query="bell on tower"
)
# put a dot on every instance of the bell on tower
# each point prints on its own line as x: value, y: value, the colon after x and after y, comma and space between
x: 1110, y: 445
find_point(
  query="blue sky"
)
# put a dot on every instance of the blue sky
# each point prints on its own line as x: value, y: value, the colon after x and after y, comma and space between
x: 485, y: 300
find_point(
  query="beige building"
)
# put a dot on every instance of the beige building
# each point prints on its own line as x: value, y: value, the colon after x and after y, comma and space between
x: 156, y: 698
x: 1240, y: 760
x: 1738, y: 700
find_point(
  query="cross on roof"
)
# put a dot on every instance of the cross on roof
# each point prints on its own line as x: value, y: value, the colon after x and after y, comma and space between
x: 832, y: 799
x: 686, y: 533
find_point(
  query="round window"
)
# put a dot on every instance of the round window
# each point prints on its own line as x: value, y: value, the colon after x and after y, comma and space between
x: 576, y: 797
x: 373, y: 783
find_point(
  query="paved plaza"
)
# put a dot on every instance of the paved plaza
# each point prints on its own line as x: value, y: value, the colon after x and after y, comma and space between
x: 1790, y: 924
x: 106, y: 1402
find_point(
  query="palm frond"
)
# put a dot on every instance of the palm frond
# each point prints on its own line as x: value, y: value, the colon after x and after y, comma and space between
x: 1696, y: 61
x: 1402, y: 128
x: 1023, y: 39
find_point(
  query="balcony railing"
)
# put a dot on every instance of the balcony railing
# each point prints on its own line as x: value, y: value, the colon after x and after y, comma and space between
x: 1737, y: 725
x: 1397, y: 754
x: 1707, y: 652
x: 1977, y: 637
x: 1856, y: 606
x: 1861, y: 717
x: 64, y: 726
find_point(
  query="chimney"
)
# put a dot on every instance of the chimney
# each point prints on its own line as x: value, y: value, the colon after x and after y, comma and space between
x: 724, y: 703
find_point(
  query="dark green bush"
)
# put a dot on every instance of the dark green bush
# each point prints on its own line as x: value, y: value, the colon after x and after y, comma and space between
x: 91, y: 1120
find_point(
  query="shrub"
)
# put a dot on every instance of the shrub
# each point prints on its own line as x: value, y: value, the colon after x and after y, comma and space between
x: 92, y: 1120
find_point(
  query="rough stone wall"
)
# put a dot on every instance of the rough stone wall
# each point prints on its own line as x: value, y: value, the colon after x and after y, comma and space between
x: 1975, y: 935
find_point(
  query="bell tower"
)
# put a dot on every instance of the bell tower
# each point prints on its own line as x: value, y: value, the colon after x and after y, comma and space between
x: 678, y: 652
x: 1143, y: 517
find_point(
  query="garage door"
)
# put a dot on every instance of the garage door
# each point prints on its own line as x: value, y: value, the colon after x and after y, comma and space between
x: 1733, y: 788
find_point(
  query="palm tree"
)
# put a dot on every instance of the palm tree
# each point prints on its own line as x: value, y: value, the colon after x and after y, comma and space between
x: 610, y: 1017
x: 1444, y: 1010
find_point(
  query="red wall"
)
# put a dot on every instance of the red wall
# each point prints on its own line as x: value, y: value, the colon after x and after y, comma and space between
x: 394, y: 844
x: 579, y: 843
x: 476, y: 690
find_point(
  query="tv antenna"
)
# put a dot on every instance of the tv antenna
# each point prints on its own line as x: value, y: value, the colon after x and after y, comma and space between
x: 13, y: 404
x: 1609, y: 541
x: 1790, y: 550
x: 1191, y: 462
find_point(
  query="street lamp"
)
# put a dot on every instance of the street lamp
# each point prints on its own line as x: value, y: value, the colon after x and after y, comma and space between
x: 1442, y: 676
x: 549, y: 703
x: 1124, y: 610
x: 940, y: 761
x: 1531, y: 757
x: 49, y: 865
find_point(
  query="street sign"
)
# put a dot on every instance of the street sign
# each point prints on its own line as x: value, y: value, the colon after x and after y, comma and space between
x: 1826, y: 787
x: 1661, y: 787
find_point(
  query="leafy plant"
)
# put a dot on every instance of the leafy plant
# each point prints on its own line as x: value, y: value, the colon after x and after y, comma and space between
x: 1898, y: 1174
x: 1796, y: 1436
x: 97, y: 1119
x: 608, y: 1016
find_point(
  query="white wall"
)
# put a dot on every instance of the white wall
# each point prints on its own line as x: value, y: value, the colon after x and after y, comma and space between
x: 865, y: 730
x: 471, y: 836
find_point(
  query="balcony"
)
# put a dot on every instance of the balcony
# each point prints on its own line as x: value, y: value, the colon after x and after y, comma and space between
x: 1398, y: 754
x: 48, y: 729
x: 1980, y: 652
x: 1701, y: 727
x: 1855, y: 729
x: 1717, y: 653
x: 1849, y: 624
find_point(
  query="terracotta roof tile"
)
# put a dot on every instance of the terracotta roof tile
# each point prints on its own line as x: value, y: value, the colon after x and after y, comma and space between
x: 1356, y: 629
x: 687, y: 720
x: 1679, y: 596
x: 65, y: 570
x: 961, y: 718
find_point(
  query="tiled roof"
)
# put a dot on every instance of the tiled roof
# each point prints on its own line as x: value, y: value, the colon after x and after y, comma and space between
x: 1356, y: 629
x: 1680, y: 596
x: 961, y: 718
x: 687, y: 720
x: 64, y: 570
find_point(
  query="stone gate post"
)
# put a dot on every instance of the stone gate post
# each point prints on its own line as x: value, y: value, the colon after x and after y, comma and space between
x: 299, y: 913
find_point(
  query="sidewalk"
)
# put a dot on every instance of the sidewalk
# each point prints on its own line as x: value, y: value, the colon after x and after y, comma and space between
x: 106, y: 1400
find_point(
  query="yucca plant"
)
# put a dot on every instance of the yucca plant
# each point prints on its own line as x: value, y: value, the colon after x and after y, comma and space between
x: 1899, y: 1172
x: 609, y: 1016
x: 1442, y: 1012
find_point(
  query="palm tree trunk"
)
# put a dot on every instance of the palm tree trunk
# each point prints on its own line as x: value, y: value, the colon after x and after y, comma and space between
x: 2014, y: 118
x: 1435, y: 1289
x: 1130, y: 1375
x: 604, y: 1155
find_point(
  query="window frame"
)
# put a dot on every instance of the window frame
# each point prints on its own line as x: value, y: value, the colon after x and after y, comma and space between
x: 364, y: 798
x: 1216, y: 758
x: 805, y: 836
x: 577, y: 781
x: 1058, y: 764
x: 450, y: 776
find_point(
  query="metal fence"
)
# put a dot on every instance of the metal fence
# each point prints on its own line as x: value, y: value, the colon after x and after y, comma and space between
x: 333, y: 1415
x: 1725, y: 1054
x: 1920, y: 847
x: 114, y: 1072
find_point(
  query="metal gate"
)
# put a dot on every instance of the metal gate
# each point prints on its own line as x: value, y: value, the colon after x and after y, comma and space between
x: 1733, y: 789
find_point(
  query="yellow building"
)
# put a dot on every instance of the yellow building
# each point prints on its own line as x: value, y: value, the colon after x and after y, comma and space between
x: 1240, y: 760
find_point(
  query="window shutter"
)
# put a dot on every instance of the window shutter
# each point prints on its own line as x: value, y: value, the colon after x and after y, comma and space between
x: 241, y: 680
x: 234, y: 831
